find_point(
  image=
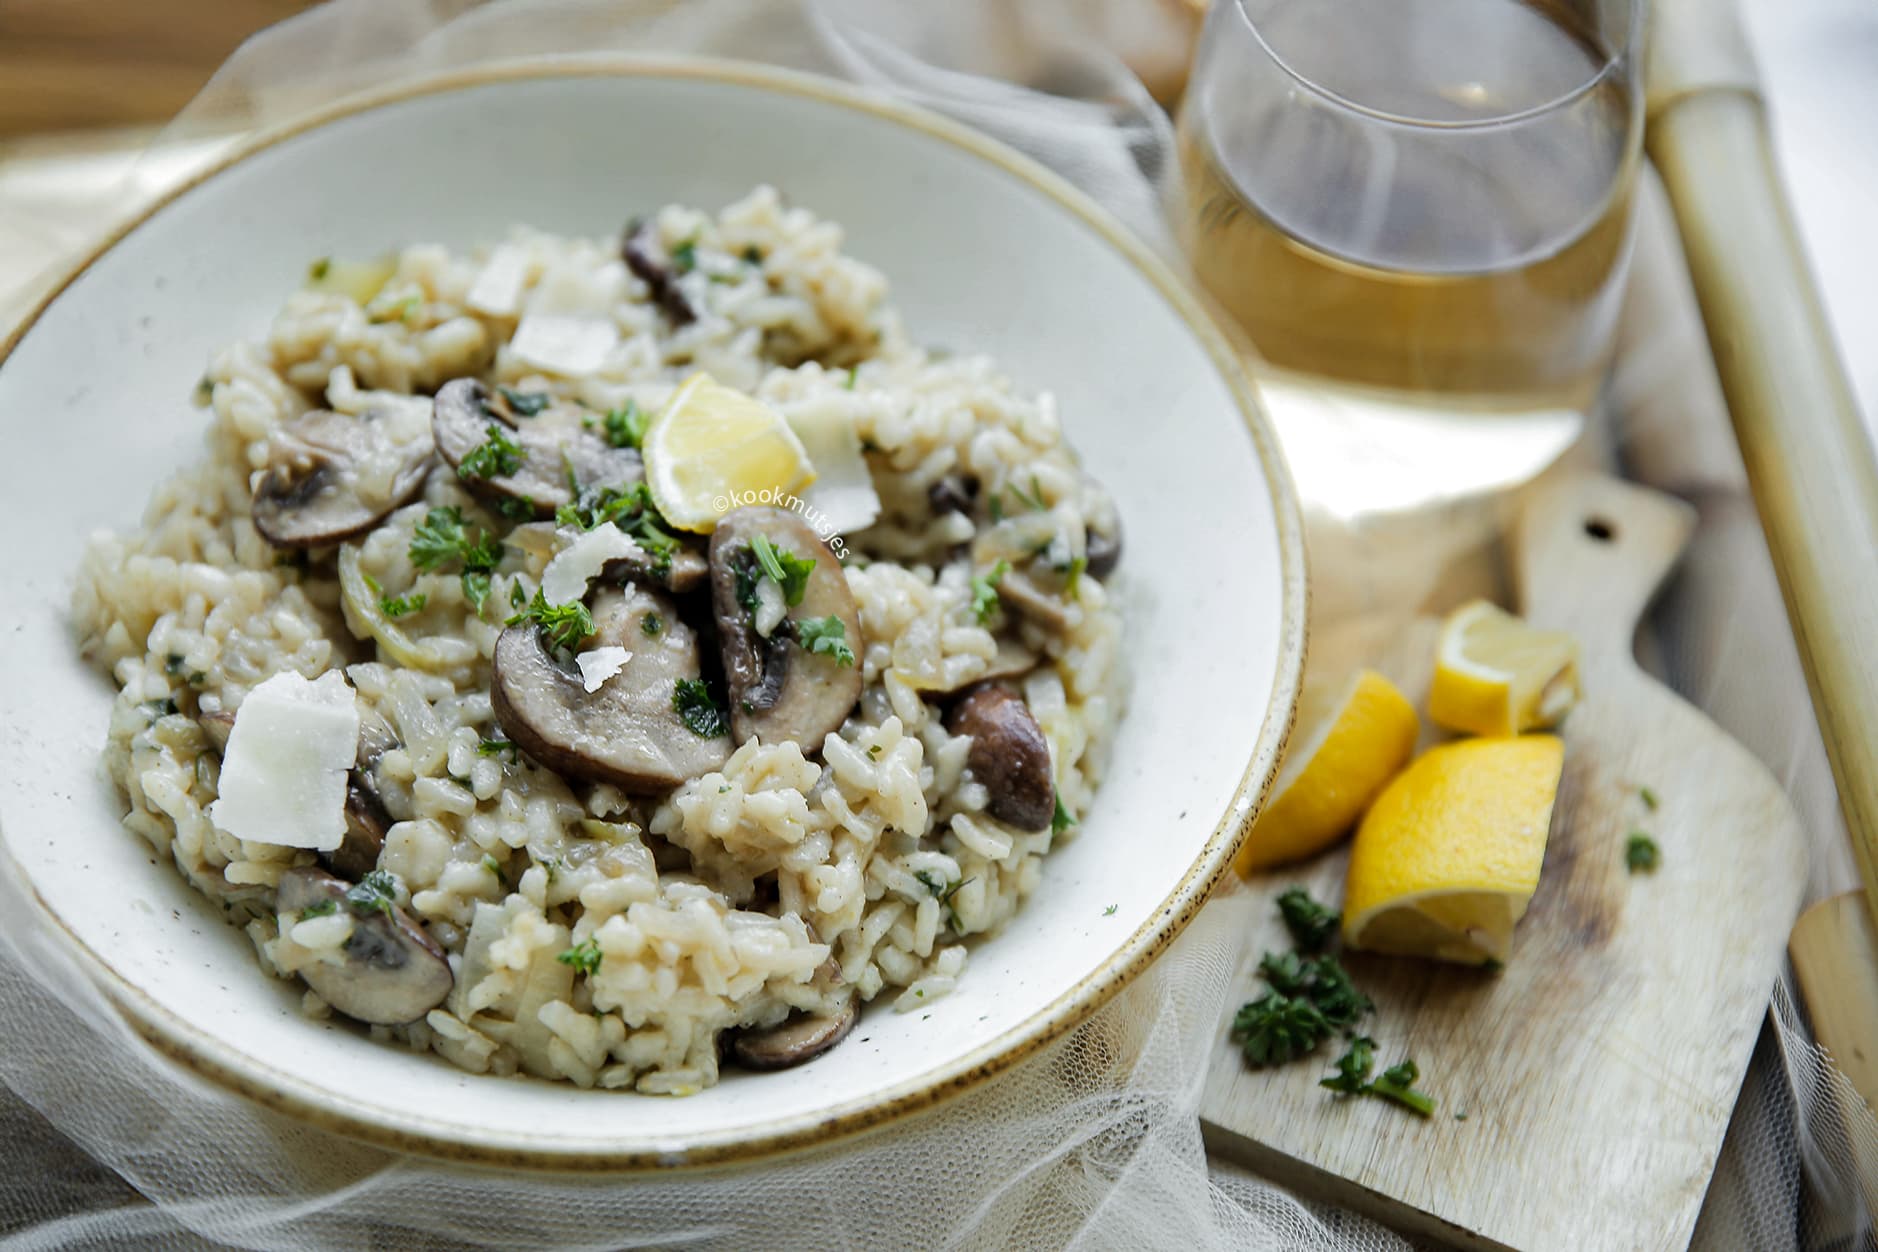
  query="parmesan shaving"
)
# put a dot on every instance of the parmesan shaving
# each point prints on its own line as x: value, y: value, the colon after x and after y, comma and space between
x: 283, y: 779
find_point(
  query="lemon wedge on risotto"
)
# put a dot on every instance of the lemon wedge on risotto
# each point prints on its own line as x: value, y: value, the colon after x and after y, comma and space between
x: 1448, y: 857
x: 713, y: 448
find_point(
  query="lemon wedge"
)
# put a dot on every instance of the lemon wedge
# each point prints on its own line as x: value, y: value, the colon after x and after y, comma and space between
x: 1448, y: 856
x: 1352, y: 737
x: 1495, y: 675
x: 713, y: 449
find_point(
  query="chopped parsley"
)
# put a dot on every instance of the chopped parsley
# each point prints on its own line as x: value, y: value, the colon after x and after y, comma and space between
x: 584, y: 957
x: 943, y: 891
x: 495, y: 457
x: 1320, y: 979
x: 631, y: 509
x: 443, y: 536
x: 985, y: 590
x: 752, y: 255
x: 826, y: 635
x: 320, y: 269
x: 1062, y: 819
x: 1648, y: 796
x: 377, y: 892
x: 1309, y: 922
x: 399, y: 312
x: 1110, y: 910
x: 1276, y: 1028
x: 785, y: 568
x: 650, y: 624
x: 495, y: 868
x: 566, y: 625
x: 685, y: 256
x: 1072, y: 581
x: 854, y: 375
x: 493, y: 747
x: 173, y: 665
x: 873, y: 752
x: 516, y: 508
x: 697, y: 708
x: 526, y: 403
x: 319, y: 908
x: 403, y: 606
x: 626, y: 426
x: 475, y: 589
x: 1641, y: 854
x: 1396, y: 1083
x: 160, y: 708
x: 1035, y: 498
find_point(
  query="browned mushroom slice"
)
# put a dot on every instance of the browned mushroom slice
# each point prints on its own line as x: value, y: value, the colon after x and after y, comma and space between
x: 330, y: 476
x: 783, y: 685
x: 801, y: 1037
x: 630, y: 731
x: 1009, y: 755
x: 393, y: 971
x: 535, y: 463
x: 1018, y: 590
x: 1102, y: 530
x: 366, y: 825
x: 645, y: 258
x: 684, y: 573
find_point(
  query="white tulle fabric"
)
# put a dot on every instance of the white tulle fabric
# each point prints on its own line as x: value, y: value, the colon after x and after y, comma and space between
x: 1095, y: 1144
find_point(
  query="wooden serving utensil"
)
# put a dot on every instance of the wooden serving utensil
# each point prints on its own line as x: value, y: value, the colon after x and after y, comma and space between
x: 1586, y: 1088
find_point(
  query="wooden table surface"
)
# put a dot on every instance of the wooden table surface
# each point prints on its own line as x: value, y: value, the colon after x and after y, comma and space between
x: 76, y: 64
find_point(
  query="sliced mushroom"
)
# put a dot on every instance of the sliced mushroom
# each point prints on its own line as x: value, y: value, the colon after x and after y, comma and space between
x: 216, y: 728
x: 779, y: 690
x: 684, y: 573
x: 628, y: 732
x: 1018, y: 590
x: 644, y: 257
x: 955, y: 493
x: 393, y: 971
x: 559, y: 454
x: 1102, y: 529
x: 366, y: 825
x: 330, y: 476
x: 801, y: 1037
x: 1009, y: 755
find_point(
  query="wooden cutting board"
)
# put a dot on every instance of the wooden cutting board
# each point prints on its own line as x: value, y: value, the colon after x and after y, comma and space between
x: 1585, y: 1089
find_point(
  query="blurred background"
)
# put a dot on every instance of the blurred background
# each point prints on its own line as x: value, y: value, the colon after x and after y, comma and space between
x: 84, y: 83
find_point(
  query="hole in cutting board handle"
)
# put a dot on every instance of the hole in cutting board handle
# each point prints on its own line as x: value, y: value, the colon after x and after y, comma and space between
x: 1600, y: 529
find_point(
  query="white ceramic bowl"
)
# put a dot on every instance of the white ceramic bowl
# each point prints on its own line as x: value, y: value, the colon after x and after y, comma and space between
x: 984, y: 250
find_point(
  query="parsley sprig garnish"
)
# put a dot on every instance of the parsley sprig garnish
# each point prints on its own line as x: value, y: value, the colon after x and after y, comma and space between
x: 1309, y: 998
x: 1310, y: 923
x: 626, y: 426
x: 698, y: 709
x: 566, y: 625
x: 785, y: 568
x: 985, y: 591
x: 631, y: 509
x: 525, y: 403
x: 442, y: 537
x: 377, y: 892
x: 826, y: 635
x: 1397, y: 1083
x: 495, y: 457
x: 584, y: 957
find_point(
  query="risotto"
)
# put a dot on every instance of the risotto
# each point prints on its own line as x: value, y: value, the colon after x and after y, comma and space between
x: 610, y: 659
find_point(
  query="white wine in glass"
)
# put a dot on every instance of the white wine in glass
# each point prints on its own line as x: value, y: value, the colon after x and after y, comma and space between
x: 1427, y: 199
